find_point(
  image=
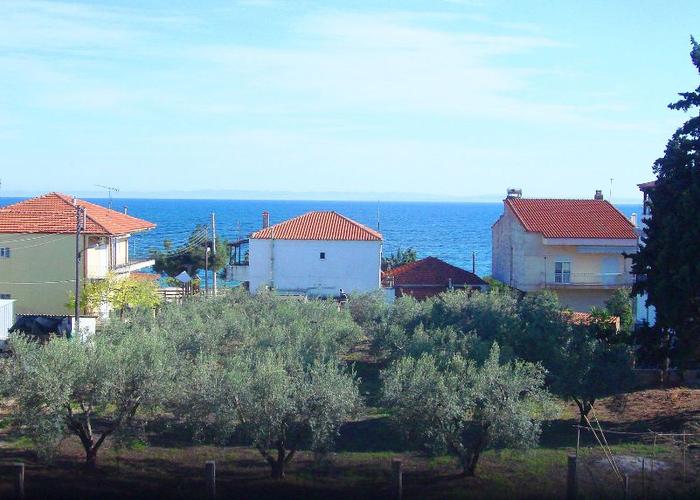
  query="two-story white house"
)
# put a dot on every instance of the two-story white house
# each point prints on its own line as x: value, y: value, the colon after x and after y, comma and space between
x: 573, y: 247
x: 315, y: 254
x: 38, y: 250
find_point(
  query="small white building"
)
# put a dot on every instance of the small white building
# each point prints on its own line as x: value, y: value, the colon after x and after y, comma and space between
x: 315, y: 254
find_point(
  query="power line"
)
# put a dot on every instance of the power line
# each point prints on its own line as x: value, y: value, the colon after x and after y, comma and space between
x: 41, y: 244
x: 35, y: 282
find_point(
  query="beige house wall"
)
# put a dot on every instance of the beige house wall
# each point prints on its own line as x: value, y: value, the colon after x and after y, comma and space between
x: 523, y: 261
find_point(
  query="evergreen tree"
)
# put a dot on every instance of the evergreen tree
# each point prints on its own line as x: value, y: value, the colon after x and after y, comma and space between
x: 670, y: 257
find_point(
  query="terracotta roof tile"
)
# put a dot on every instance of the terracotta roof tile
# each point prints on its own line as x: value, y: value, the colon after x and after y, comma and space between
x: 432, y: 271
x: 557, y: 218
x: 318, y: 226
x: 54, y: 213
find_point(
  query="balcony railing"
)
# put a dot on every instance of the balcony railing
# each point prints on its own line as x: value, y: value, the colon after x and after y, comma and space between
x: 133, y: 265
x: 589, y: 279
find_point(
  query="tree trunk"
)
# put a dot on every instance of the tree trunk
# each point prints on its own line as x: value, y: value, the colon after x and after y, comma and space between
x: 91, y: 458
x: 584, y: 408
x: 470, y: 460
x: 277, y: 469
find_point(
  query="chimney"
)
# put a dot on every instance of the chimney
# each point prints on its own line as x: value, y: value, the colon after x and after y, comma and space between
x: 633, y: 219
x: 515, y: 193
x: 126, y: 210
x: 266, y: 219
x: 598, y: 194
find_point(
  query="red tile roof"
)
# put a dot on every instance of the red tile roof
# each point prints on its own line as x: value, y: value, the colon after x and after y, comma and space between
x: 582, y: 318
x: 432, y: 271
x: 54, y: 213
x: 556, y: 218
x: 318, y: 226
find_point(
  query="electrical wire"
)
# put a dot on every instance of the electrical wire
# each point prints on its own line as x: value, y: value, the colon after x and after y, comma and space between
x: 27, y: 239
x: 35, y: 282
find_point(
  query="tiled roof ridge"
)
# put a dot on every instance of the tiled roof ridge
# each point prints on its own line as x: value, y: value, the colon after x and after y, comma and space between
x: 527, y: 221
x: 310, y: 219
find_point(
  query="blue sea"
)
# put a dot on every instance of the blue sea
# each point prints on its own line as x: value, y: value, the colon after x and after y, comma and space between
x: 449, y: 231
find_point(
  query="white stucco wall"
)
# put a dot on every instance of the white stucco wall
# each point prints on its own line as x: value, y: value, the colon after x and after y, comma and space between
x: 296, y: 266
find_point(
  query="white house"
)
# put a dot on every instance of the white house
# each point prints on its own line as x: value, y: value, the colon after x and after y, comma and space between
x: 314, y: 254
x: 573, y: 247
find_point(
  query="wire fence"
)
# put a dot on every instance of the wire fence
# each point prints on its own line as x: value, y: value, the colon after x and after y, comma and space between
x: 649, y: 464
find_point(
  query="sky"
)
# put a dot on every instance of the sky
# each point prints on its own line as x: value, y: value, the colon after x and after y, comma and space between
x: 444, y: 100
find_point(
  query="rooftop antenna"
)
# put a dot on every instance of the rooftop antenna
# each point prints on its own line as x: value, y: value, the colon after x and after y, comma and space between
x: 109, y: 192
x: 610, y: 197
x: 378, y: 216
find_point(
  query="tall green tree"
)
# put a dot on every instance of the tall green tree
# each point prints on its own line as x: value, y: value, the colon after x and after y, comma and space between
x: 669, y: 260
x: 190, y: 256
x: 399, y: 258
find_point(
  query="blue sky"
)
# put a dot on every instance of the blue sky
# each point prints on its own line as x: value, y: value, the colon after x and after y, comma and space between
x: 393, y: 99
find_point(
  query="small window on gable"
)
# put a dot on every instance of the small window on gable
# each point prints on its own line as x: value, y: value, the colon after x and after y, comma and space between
x: 4, y: 252
x: 5, y: 296
x: 322, y: 256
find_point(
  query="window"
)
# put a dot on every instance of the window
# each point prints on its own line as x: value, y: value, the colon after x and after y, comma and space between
x: 4, y: 252
x: 322, y: 256
x: 5, y: 296
x: 562, y: 272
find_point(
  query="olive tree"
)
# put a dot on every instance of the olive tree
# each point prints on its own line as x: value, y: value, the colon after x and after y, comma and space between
x: 274, y: 399
x: 463, y: 408
x: 91, y: 390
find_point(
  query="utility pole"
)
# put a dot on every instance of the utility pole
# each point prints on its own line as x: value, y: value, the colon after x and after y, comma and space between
x: 473, y: 262
x: 206, y: 268
x: 213, y: 247
x: 79, y: 226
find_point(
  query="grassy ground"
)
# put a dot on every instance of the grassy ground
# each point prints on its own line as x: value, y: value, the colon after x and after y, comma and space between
x: 170, y: 467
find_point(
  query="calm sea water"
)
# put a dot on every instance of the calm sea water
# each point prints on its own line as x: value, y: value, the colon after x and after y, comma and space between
x: 449, y: 231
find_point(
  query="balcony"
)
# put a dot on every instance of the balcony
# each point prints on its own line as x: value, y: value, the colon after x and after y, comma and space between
x: 589, y: 280
x: 133, y: 265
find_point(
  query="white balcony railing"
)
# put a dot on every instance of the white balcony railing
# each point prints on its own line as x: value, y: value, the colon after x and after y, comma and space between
x: 589, y: 279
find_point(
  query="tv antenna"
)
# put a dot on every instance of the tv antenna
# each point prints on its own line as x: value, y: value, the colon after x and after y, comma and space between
x: 109, y: 192
x: 611, y: 181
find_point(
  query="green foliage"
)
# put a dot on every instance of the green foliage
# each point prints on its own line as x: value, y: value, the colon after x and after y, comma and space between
x: 399, y: 258
x: 535, y: 329
x: 463, y: 408
x: 263, y: 367
x: 669, y: 260
x: 190, y: 257
x: 92, y: 390
x: 119, y: 293
x: 620, y: 305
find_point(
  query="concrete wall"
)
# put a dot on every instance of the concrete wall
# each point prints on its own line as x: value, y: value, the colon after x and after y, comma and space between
x: 296, y: 266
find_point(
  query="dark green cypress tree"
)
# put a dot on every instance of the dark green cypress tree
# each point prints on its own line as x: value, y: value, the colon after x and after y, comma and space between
x: 670, y: 257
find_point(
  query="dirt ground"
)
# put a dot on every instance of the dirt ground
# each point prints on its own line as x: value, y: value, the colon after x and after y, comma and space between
x: 361, y: 466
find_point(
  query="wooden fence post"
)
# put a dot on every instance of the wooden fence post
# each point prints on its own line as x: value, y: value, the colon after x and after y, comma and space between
x: 210, y: 474
x: 627, y: 486
x: 396, y: 479
x: 571, y: 480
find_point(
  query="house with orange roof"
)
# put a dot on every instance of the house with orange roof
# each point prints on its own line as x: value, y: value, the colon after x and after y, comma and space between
x: 574, y: 247
x: 38, y: 249
x: 428, y: 277
x: 315, y: 254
